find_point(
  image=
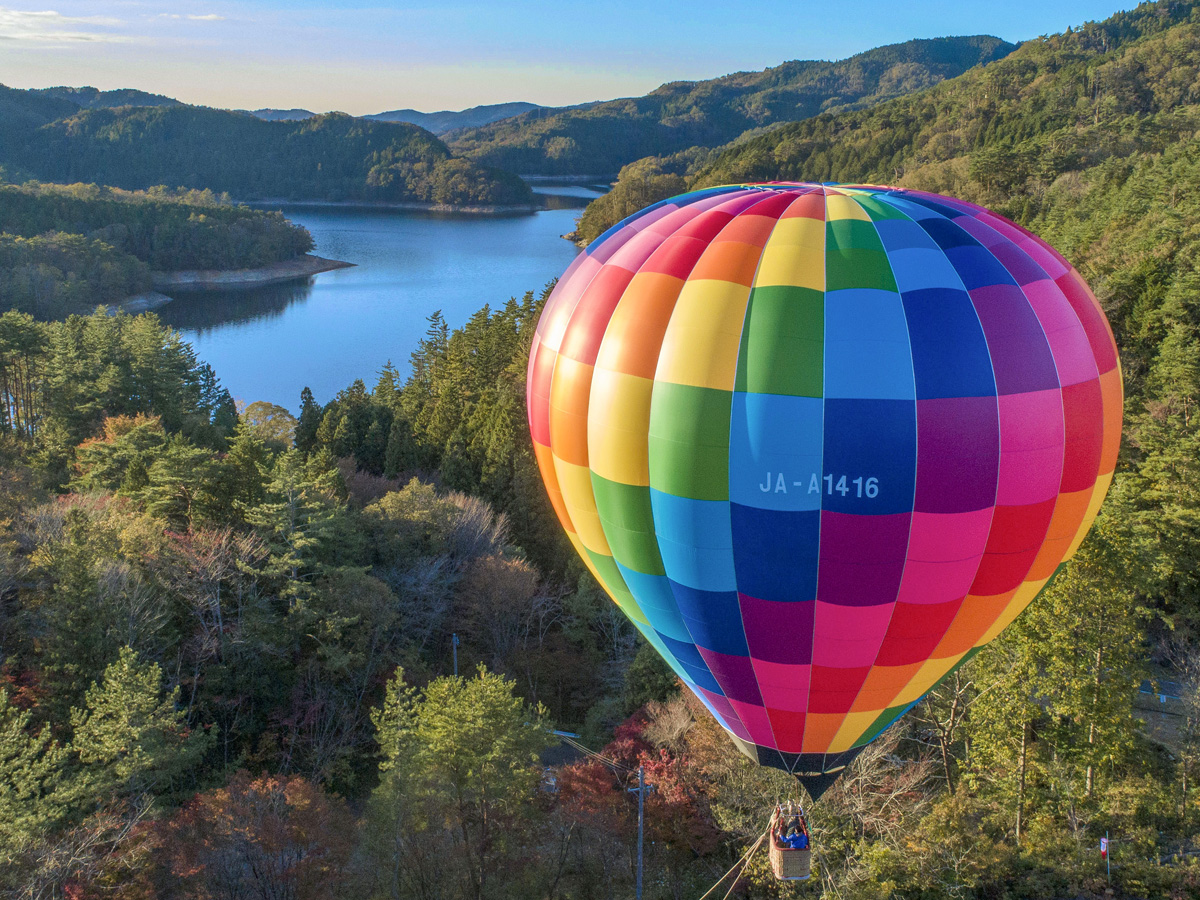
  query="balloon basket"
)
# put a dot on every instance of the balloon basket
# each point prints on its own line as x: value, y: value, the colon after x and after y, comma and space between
x: 790, y: 865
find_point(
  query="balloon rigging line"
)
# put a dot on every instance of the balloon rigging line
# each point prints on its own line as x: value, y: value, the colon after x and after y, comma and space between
x: 740, y: 864
x: 745, y: 860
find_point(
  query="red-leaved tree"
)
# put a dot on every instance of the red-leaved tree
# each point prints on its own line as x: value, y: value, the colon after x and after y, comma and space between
x: 274, y: 837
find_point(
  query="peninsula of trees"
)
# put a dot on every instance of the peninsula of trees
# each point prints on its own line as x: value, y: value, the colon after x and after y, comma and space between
x: 66, y: 248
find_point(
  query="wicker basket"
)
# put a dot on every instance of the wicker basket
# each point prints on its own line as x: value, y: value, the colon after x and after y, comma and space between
x: 789, y: 864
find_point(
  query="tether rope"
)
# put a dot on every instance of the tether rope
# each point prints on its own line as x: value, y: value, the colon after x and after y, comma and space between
x: 740, y: 863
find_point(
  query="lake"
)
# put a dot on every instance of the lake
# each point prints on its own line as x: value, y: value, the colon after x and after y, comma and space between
x: 268, y: 343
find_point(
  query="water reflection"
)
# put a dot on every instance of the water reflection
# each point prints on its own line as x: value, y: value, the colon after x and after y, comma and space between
x: 567, y: 196
x: 199, y: 312
x: 269, y: 342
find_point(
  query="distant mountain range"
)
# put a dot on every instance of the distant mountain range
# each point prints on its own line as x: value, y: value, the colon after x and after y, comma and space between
x: 135, y: 139
x: 600, y: 138
x: 283, y: 115
x: 439, y: 123
x: 1061, y: 104
x: 1083, y: 103
x: 446, y: 120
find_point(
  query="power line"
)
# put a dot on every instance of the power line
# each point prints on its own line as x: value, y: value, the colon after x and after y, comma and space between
x: 607, y: 761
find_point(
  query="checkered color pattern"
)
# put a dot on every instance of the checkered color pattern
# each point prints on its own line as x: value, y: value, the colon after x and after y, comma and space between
x: 821, y: 443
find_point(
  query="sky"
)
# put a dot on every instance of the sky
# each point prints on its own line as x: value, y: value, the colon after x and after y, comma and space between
x: 360, y: 59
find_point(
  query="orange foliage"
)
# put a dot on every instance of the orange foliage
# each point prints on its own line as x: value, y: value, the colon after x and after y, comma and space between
x: 273, y: 836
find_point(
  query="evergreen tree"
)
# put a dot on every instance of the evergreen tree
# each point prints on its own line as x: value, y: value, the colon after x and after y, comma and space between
x: 460, y: 759
x: 372, y: 454
x: 309, y: 421
x: 299, y: 513
x: 33, y: 783
x: 402, y: 455
x: 388, y: 387
x: 240, y: 476
x: 129, y: 738
x: 181, y: 488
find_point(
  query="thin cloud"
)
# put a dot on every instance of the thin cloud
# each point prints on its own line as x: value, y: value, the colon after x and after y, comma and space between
x: 211, y: 17
x: 50, y: 27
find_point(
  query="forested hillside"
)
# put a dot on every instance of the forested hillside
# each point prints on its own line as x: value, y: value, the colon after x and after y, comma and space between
x: 191, y: 605
x: 329, y: 157
x: 66, y: 248
x: 93, y: 98
x: 1002, y: 135
x: 1090, y: 139
x: 600, y: 138
x: 232, y: 595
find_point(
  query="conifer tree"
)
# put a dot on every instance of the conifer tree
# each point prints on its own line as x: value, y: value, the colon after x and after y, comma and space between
x: 128, y: 737
x: 309, y: 421
x: 33, y: 781
x: 298, y: 513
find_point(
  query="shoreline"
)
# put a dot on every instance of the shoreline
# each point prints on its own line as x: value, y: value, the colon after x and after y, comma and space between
x: 401, y: 206
x: 235, y: 279
x: 148, y: 301
x: 568, y: 179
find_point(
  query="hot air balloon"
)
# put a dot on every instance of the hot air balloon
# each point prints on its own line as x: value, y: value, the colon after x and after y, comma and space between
x: 821, y: 443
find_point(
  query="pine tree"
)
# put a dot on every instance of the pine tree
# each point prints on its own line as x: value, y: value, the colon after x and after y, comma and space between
x: 298, y: 513
x: 128, y: 737
x: 372, y: 454
x: 388, y: 387
x: 240, y: 476
x: 459, y: 763
x: 181, y: 488
x: 402, y: 455
x: 309, y: 421
x: 33, y: 782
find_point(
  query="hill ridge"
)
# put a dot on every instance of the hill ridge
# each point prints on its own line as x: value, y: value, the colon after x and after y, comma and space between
x: 603, y: 136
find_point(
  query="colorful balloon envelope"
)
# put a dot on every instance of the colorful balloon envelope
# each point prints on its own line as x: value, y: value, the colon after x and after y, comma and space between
x: 821, y: 443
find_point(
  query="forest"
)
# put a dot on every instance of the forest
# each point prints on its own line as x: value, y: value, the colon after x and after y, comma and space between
x: 600, y: 138
x: 227, y: 666
x: 67, y: 248
x: 334, y: 157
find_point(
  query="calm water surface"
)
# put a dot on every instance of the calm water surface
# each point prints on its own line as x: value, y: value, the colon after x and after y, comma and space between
x: 268, y: 343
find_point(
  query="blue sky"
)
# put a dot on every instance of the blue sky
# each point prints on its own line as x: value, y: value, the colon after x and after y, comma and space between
x: 450, y: 55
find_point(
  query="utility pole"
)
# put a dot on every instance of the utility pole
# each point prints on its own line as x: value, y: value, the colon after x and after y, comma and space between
x: 1108, y: 858
x: 641, y: 820
x: 454, y: 650
x: 641, y: 792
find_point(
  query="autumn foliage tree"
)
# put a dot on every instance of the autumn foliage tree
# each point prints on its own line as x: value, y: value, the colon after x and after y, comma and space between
x: 274, y: 837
